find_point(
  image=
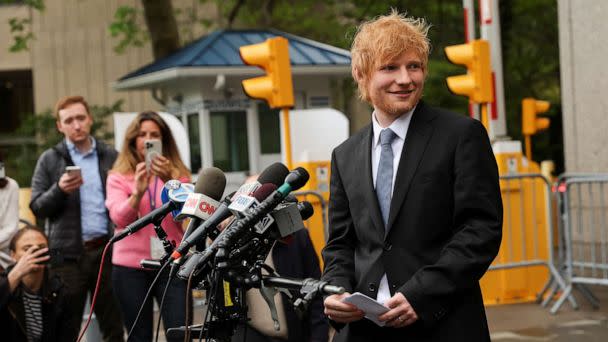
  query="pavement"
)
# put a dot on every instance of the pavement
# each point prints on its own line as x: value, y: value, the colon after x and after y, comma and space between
x: 531, y: 322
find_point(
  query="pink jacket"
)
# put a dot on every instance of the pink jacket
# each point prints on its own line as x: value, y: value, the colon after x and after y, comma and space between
x: 132, y: 249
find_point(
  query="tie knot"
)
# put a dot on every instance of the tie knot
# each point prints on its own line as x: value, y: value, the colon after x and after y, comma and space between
x: 387, y: 136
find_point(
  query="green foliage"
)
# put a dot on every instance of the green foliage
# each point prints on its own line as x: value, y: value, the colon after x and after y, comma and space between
x: 21, y: 160
x: 126, y: 27
x: 436, y: 91
x: 531, y: 69
x: 20, y: 28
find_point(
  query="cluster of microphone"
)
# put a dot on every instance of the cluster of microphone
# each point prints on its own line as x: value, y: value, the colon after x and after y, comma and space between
x: 255, y: 216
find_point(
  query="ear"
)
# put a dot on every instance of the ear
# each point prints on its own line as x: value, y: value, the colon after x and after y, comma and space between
x: 58, y: 124
x: 357, y: 75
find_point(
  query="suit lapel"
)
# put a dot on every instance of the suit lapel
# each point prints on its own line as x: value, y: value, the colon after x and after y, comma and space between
x: 364, y: 157
x: 418, y: 136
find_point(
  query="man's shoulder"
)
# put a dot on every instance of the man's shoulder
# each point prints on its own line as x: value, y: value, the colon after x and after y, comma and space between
x: 106, y: 150
x: 54, y: 153
x: 103, y: 146
x: 448, y: 119
x: 355, y: 141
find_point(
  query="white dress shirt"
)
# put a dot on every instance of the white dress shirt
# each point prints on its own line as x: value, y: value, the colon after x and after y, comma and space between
x: 400, y: 126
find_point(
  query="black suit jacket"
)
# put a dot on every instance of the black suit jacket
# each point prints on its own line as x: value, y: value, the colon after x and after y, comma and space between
x: 444, y: 227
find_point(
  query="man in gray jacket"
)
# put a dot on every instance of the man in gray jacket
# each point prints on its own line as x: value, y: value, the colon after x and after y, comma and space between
x: 76, y: 220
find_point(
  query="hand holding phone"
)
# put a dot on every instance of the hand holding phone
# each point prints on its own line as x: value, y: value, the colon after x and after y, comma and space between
x: 71, y: 179
x: 31, y: 261
x: 153, y: 149
x: 73, y: 171
x: 54, y: 257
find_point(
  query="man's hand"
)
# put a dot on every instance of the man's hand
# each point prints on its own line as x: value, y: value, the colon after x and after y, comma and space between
x: 401, y: 313
x: 161, y: 167
x: 69, y: 183
x: 341, y: 312
x: 28, y: 263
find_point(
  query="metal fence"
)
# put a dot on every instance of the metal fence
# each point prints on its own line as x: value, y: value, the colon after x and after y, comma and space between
x: 318, y: 201
x: 583, y: 218
x: 525, y: 244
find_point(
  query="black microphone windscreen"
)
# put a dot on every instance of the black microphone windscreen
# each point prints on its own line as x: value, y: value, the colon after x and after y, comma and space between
x: 306, y: 210
x: 274, y: 174
x: 297, y: 178
x: 211, y: 182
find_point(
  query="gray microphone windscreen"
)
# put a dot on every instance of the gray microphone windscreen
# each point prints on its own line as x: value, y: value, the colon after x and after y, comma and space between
x: 211, y: 182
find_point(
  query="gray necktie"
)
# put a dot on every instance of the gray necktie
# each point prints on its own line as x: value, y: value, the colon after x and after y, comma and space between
x: 384, y: 177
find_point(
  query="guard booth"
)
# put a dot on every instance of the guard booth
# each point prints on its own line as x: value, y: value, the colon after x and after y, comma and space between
x: 201, y: 86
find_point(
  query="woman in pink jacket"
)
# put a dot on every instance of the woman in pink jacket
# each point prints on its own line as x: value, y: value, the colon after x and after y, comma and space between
x: 133, y: 191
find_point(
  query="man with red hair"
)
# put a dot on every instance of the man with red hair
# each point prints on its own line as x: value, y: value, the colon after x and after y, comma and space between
x: 415, y: 212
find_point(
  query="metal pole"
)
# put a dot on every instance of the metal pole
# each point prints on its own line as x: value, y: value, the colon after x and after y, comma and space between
x: 489, y: 19
x: 469, y: 35
x: 287, y: 138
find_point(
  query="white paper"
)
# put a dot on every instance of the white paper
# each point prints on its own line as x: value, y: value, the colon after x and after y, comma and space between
x: 156, y: 248
x: 368, y: 305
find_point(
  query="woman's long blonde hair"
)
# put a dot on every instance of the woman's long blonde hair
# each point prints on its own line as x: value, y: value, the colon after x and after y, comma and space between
x: 128, y: 158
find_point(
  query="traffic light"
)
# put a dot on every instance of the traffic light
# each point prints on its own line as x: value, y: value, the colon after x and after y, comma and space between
x: 477, y: 83
x: 530, y: 124
x: 272, y: 56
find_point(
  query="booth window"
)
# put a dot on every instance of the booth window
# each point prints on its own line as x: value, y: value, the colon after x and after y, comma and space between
x: 16, y: 97
x: 270, y: 130
x: 229, y: 141
x: 194, y: 138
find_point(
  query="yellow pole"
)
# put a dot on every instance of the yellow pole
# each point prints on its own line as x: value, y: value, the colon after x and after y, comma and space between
x: 484, y: 116
x: 287, y: 131
x: 528, y: 147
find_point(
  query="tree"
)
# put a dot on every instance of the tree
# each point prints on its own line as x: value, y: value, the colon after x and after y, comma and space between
x: 531, y: 63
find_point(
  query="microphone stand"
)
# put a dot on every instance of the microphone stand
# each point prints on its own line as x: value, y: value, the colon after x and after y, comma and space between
x: 168, y: 246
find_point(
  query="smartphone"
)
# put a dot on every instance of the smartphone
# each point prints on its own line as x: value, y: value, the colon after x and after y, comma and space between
x: 73, y: 170
x: 153, y: 148
x: 56, y: 258
x: 2, y: 172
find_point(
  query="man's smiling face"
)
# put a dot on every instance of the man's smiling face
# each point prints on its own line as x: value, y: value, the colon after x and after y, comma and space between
x: 395, y: 86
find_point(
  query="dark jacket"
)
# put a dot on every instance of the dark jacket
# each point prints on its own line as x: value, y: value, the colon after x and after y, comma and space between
x: 55, y: 313
x: 61, y: 211
x: 296, y: 259
x: 444, y: 227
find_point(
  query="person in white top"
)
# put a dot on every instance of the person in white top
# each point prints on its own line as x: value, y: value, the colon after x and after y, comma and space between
x: 9, y: 214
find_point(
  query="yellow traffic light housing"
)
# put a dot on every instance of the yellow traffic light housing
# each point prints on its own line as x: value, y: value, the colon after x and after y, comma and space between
x: 530, y: 108
x: 272, y: 56
x: 530, y: 124
x: 477, y: 84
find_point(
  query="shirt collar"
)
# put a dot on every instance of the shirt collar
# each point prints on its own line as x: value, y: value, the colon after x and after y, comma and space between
x: 72, y: 148
x: 399, y: 126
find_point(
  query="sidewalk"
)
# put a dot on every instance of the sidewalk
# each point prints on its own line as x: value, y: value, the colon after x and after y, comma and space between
x: 531, y: 322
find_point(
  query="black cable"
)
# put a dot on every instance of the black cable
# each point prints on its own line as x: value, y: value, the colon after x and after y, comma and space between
x: 210, y: 307
x: 146, y: 299
x: 188, y: 293
x: 162, y: 300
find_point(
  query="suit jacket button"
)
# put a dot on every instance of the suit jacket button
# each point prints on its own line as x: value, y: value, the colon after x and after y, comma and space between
x: 372, y: 287
x: 387, y: 247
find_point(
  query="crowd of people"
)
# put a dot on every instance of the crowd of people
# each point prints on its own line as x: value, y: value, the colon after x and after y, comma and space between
x: 415, y: 219
x: 81, y: 211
